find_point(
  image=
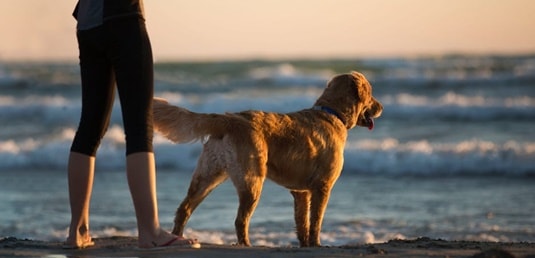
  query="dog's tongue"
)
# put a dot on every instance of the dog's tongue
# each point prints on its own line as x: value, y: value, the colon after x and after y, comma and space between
x: 370, y: 123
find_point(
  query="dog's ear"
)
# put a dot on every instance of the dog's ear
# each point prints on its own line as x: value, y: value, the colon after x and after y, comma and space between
x: 363, y: 88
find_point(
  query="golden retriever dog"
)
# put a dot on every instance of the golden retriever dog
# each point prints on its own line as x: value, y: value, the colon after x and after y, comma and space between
x: 302, y: 151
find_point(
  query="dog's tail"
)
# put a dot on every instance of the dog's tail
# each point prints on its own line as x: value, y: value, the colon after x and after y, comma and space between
x: 181, y: 125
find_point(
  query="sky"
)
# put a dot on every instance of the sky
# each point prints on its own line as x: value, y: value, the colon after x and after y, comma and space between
x: 183, y: 30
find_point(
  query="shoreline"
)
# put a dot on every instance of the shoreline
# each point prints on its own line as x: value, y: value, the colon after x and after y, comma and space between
x: 118, y: 246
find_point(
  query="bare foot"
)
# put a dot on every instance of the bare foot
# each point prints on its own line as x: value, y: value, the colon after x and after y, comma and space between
x: 180, y: 241
x: 79, y: 242
x: 166, y: 239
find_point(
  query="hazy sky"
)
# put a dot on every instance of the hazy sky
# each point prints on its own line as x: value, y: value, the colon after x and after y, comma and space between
x: 216, y: 29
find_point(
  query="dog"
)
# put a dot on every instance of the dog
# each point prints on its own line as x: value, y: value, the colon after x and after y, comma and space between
x: 302, y: 151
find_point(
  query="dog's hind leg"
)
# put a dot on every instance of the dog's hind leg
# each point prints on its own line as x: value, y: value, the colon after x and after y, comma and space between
x: 207, y: 177
x: 249, y: 190
x: 302, y: 215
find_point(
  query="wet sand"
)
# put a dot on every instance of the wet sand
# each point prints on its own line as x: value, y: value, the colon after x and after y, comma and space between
x: 127, y: 247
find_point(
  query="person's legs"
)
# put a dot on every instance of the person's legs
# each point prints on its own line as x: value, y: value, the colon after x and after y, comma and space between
x: 97, y: 101
x: 134, y: 75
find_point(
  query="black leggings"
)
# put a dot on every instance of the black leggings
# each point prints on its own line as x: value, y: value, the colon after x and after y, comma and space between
x: 117, y: 52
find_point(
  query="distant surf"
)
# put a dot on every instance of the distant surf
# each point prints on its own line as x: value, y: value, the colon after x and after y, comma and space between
x: 453, y: 114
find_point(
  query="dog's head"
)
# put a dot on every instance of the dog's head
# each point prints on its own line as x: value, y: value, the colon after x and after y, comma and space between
x: 350, y: 97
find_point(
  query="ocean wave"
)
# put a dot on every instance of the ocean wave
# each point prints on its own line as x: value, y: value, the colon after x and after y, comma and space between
x: 459, y: 100
x: 390, y: 156
x: 58, y: 110
x: 449, y: 69
x: 386, y: 156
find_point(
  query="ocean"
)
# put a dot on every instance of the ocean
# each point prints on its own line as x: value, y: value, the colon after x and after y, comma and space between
x: 451, y: 157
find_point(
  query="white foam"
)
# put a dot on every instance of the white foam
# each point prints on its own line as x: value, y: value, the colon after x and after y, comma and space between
x: 423, y: 157
x: 453, y: 99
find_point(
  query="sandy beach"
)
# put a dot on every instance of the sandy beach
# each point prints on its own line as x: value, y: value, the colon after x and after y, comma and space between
x: 127, y: 247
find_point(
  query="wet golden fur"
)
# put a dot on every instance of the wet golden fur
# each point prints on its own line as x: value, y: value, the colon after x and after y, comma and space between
x: 302, y: 151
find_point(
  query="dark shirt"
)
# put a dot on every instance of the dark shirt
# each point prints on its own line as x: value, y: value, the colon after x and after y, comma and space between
x: 93, y: 13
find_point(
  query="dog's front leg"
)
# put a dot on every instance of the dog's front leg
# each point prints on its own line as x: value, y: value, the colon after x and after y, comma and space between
x: 302, y: 215
x: 319, y: 200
